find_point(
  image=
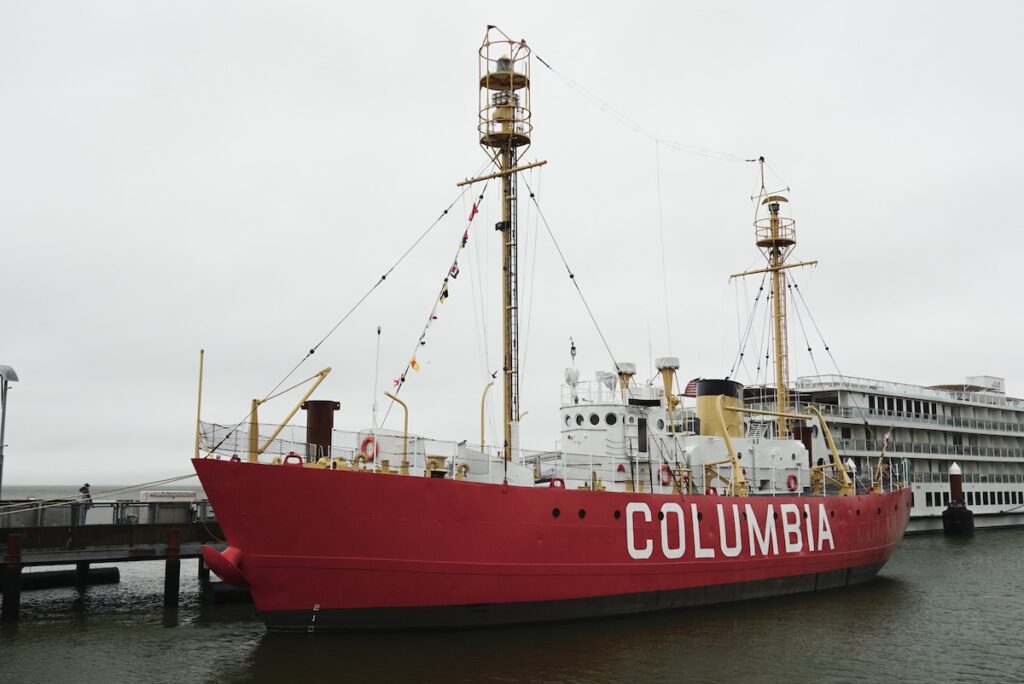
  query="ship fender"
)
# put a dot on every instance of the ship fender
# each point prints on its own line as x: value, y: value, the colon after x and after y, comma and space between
x: 226, y: 564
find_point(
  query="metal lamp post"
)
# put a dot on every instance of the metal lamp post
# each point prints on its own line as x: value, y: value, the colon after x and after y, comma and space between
x: 7, y: 375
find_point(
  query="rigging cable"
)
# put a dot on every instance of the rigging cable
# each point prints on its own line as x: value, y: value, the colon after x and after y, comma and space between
x: 572, y: 276
x: 451, y: 274
x: 355, y: 306
x: 828, y: 351
x: 637, y: 128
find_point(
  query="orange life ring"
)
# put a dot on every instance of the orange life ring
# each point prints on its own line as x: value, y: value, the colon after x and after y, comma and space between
x: 369, y: 447
x: 792, y: 482
x: 711, y: 490
x: 556, y: 483
x: 666, y: 474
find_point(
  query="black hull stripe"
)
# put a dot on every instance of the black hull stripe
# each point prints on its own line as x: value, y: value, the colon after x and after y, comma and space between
x: 493, y: 614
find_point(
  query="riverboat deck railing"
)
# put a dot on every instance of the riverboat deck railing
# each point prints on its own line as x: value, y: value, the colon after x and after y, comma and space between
x: 904, y: 389
x: 926, y: 419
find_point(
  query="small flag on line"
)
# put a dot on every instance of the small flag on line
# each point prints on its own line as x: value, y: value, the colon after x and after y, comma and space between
x: 454, y: 272
x: 473, y: 211
x: 415, y: 364
x: 465, y: 238
x: 444, y: 292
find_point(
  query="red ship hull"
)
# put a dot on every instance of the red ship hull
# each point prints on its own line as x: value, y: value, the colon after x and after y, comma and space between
x: 322, y: 549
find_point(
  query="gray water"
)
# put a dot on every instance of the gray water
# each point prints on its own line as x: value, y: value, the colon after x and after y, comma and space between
x: 942, y: 610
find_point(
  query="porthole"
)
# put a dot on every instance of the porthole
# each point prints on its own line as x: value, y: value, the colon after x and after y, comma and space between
x: 700, y: 516
x: 582, y: 514
x: 555, y: 512
x: 832, y: 514
x: 739, y: 455
x: 805, y: 515
x: 858, y: 512
x: 618, y: 514
x: 775, y: 516
x: 744, y: 515
x: 611, y: 419
x: 632, y: 420
x: 661, y: 424
x: 879, y: 511
x: 594, y: 419
x: 568, y: 420
x: 579, y: 419
x: 661, y: 515
x: 793, y: 456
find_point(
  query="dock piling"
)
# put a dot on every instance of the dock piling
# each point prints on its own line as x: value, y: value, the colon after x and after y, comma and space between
x: 12, y: 580
x: 172, y: 570
x: 82, y: 575
x: 204, y: 571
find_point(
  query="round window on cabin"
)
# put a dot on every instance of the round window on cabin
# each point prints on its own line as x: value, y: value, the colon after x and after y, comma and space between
x: 568, y: 420
x: 611, y: 419
x: 579, y: 419
x: 793, y: 456
x: 632, y: 420
x: 594, y: 419
x: 661, y: 424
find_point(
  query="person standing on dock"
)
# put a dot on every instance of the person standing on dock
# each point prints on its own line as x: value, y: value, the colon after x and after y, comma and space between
x: 85, y: 503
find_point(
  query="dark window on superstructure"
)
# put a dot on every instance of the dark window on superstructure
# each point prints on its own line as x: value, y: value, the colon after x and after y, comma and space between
x: 970, y: 498
x: 845, y: 433
x: 899, y: 405
x: 871, y: 402
x: 917, y: 406
x: 888, y: 403
x: 927, y: 409
x: 928, y: 499
x: 999, y: 498
x: 945, y: 498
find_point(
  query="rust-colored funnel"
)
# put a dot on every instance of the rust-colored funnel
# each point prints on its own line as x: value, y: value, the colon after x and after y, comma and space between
x: 319, y: 426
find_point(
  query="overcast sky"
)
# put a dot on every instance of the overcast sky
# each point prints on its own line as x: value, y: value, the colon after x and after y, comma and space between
x: 235, y: 175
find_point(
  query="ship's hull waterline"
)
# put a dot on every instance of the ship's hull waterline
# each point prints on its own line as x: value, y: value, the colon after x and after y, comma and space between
x: 322, y: 549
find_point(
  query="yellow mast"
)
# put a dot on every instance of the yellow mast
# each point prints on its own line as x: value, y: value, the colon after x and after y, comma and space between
x: 776, y: 238
x: 504, y: 127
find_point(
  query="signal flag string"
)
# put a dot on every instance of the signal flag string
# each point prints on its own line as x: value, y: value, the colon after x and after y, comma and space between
x: 451, y: 275
x: 359, y: 302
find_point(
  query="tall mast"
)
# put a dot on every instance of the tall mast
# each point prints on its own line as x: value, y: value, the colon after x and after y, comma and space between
x: 776, y: 238
x: 505, y: 127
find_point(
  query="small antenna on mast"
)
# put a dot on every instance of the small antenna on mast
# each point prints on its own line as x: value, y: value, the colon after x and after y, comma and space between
x: 376, y: 374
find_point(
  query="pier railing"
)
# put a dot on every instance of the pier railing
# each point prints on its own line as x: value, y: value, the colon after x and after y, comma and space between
x: 71, y: 513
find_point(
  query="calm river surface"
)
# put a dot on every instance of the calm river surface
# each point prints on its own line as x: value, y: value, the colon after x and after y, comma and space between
x: 942, y: 610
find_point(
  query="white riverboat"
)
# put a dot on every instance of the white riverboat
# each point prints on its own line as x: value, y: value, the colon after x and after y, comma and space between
x: 972, y: 423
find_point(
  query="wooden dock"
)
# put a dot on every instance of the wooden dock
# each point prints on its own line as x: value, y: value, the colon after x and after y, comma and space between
x: 167, y: 532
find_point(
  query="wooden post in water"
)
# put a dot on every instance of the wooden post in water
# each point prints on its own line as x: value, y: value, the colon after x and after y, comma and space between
x: 82, y: 575
x: 204, y: 571
x: 12, y: 580
x: 172, y: 569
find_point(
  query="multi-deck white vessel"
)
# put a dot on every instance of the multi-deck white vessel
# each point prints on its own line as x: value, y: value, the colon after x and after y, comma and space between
x: 974, y: 424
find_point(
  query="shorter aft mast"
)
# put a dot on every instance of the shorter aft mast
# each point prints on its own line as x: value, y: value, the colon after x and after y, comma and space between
x: 776, y: 238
